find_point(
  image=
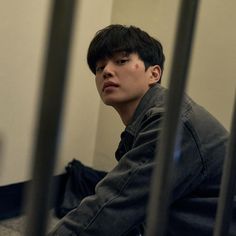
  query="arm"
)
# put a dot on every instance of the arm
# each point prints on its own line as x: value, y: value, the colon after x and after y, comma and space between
x: 120, y: 201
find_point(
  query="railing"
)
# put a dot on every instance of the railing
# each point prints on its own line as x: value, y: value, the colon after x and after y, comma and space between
x: 48, y: 130
x: 160, y: 186
x: 49, y: 125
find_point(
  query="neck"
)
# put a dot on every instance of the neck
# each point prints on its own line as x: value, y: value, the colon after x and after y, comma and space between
x: 126, y: 112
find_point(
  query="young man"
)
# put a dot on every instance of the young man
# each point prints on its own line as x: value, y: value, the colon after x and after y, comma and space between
x: 128, y: 66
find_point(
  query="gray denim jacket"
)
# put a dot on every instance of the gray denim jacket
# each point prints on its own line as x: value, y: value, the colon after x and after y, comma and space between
x: 119, y: 205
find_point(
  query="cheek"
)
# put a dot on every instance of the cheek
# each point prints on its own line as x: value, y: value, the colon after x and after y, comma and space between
x: 139, y: 67
x: 136, y: 66
x: 138, y: 71
x: 98, y: 85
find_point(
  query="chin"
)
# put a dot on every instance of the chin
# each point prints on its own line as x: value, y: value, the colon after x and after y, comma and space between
x: 111, y: 102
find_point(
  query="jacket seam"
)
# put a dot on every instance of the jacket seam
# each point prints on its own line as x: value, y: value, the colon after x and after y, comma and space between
x: 112, y: 199
x: 196, y: 140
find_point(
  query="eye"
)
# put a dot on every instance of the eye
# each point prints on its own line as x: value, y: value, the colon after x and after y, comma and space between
x: 122, y: 61
x: 99, y: 68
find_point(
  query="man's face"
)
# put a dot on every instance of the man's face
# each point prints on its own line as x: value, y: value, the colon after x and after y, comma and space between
x: 122, y: 79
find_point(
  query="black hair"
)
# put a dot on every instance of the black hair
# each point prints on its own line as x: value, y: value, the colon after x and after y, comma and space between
x: 130, y: 39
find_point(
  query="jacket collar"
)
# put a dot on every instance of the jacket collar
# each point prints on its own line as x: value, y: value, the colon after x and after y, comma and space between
x: 155, y: 96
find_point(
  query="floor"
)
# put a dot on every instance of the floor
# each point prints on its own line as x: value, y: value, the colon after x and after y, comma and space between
x: 15, y: 226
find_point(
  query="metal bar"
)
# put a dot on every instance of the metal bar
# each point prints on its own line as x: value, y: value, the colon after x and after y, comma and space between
x: 228, y: 184
x: 53, y: 87
x: 160, y: 188
x: 1, y: 152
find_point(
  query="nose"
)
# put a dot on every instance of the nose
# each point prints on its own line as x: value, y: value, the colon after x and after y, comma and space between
x: 108, y: 70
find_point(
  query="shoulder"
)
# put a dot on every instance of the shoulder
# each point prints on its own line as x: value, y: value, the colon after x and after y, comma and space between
x: 150, y: 125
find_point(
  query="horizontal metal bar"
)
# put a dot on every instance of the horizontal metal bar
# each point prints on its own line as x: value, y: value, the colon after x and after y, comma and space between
x: 160, y: 189
x: 228, y: 184
x: 53, y: 87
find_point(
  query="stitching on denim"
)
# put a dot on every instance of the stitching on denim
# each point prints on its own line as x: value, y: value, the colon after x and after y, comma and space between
x: 197, y: 142
x: 117, y: 195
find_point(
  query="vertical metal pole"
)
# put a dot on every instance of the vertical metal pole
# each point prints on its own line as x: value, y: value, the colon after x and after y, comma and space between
x: 160, y: 188
x: 53, y: 87
x: 228, y: 184
x: 1, y: 152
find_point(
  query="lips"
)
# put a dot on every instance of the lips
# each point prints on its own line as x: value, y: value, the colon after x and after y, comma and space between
x: 108, y: 84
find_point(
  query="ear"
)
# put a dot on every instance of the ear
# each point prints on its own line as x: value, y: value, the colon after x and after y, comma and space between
x: 155, y: 74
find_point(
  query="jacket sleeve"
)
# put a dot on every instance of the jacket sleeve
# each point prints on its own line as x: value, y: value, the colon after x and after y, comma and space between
x: 120, y: 199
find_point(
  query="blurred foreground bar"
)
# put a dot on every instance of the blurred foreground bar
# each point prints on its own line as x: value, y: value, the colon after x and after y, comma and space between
x: 48, y: 126
x: 228, y: 184
x: 160, y: 187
